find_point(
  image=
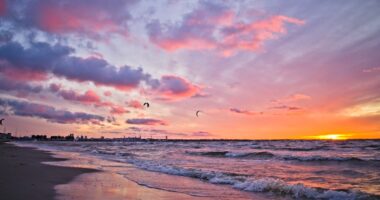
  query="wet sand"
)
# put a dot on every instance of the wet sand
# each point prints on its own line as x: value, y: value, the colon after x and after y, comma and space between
x: 106, y: 185
x: 71, y: 176
x: 23, y: 176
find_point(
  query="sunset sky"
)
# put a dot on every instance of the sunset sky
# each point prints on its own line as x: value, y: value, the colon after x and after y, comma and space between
x: 255, y: 69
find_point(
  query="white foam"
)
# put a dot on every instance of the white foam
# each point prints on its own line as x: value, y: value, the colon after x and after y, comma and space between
x: 268, y: 185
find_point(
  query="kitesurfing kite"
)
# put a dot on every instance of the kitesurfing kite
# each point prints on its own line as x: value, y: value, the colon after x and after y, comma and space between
x: 197, y: 113
x: 146, y: 104
x: 1, y: 121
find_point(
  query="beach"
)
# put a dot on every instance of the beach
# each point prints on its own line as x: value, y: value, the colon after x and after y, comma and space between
x: 288, y: 169
x: 30, y: 173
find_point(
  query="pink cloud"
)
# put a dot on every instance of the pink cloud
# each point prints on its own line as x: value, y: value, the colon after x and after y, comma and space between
x: 185, y: 43
x: 212, y: 26
x: 107, y: 93
x: 104, y: 104
x: 42, y: 60
x: 293, y: 98
x: 58, y: 20
x: 88, y: 97
x: 23, y: 74
x: 118, y: 110
x: 176, y: 88
x: 93, y: 17
x: 251, y: 36
x: 135, y: 104
x: 3, y: 7
x: 373, y: 69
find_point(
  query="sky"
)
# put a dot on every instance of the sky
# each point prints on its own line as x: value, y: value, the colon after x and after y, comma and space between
x: 270, y: 69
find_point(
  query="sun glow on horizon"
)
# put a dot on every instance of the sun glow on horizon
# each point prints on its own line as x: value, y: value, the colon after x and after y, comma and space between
x: 331, y: 137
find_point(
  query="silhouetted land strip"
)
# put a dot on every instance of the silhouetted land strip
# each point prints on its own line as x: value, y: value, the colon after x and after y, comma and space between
x: 23, y: 176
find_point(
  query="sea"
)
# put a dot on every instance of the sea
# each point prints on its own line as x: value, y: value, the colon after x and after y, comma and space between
x: 279, y: 169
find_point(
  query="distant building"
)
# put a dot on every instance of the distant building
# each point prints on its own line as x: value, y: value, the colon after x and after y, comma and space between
x: 39, y: 137
x: 70, y: 137
x: 5, y: 137
x: 59, y: 138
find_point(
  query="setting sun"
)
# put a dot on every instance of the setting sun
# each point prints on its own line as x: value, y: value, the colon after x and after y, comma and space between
x: 332, y: 137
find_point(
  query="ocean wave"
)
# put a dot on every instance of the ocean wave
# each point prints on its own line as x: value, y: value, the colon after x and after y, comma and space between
x: 263, y: 185
x: 303, y: 148
x: 268, y: 155
x: 210, y: 153
x: 326, y: 159
x: 262, y: 154
x: 113, y: 153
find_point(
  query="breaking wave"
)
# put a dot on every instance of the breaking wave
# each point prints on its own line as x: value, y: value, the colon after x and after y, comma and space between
x: 269, y: 155
x: 264, y: 185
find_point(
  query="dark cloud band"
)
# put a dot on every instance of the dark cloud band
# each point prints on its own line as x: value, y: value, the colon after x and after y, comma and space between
x: 51, y: 114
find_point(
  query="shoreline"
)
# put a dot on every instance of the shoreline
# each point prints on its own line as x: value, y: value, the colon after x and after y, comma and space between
x: 119, y: 176
x: 119, y: 180
x: 24, y: 176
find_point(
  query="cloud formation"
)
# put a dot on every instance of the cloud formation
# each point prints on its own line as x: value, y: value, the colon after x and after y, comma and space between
x: 26, y: 109
x: 163, y: 132
x: 22, y: 88
x: 146, y: 121
x: 118, y: 110
x: 370, y: 70
x: 175, y: 88
x: 107, y: 93
x: 135, y: 104
x: 201, y: 134
x: 245, y: 112
x: 43, y: 59
x: 286, y: 107
x: 3, y: 7
x: 214, y: 26
x: 293, y: 98
x: 90, y: 17
x: 89, y: 96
